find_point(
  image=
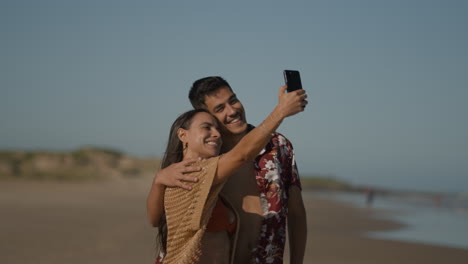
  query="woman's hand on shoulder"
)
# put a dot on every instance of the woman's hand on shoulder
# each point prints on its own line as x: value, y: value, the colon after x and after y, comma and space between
x: 176, y: 175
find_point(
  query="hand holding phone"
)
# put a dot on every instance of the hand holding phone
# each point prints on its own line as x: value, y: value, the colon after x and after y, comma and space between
x: 292, y: 80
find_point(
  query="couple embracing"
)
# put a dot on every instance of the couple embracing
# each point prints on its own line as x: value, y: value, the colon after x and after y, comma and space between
x: 227, y: 191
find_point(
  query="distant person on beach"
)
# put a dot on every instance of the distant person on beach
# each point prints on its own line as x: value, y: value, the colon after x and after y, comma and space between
x: 369, y: 197
x: 188, y: 212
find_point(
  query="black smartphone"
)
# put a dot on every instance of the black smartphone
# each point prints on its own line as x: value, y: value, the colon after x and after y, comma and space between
x: 292, y: 80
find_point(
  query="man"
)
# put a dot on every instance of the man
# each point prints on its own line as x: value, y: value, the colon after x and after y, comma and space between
x: 265, y: 193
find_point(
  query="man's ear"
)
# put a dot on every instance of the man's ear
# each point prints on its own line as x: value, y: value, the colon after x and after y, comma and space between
x: 182, y: 135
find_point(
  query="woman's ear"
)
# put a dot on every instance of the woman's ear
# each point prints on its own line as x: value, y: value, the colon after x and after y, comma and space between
x: 182, y: 135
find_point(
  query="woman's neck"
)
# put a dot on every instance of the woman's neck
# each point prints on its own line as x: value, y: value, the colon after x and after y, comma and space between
x: 191, y: 155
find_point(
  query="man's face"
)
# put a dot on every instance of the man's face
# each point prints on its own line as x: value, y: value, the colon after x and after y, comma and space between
x: 225, y: 106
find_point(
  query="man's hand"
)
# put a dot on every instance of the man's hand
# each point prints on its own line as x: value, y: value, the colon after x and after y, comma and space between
x: 175, y: 175
x: 291, y: 103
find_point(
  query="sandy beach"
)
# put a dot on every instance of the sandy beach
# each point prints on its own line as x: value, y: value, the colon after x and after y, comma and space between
x: 105, y: 222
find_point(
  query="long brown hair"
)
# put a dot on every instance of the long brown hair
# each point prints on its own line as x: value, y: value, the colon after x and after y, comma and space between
x: 174, y: 153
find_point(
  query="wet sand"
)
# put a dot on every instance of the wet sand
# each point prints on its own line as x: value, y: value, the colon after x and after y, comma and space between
x: 106, y: 223
x: 336, y: 235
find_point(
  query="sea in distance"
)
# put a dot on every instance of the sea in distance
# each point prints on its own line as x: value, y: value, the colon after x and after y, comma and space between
x: 437, y: 220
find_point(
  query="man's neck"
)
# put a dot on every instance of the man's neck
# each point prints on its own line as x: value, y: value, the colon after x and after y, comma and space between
x: 231, y: 140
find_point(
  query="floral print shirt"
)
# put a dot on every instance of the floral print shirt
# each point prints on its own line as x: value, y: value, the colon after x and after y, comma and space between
x: 276, y: 171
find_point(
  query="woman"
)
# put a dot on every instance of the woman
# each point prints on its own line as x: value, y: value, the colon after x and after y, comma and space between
x: 195, y: 135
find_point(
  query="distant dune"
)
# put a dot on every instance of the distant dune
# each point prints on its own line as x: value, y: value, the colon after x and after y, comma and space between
x: 99, y: 163
x: 91, y: 163
x: 82, y: 164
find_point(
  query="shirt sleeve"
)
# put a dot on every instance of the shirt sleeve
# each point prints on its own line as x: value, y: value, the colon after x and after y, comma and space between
x: 291, y: 173
x: 295, y: 180
x: 209, y: 169
x: 186, y: 207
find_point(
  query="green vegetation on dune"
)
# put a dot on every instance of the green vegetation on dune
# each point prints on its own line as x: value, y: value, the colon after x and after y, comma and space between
x: 82, y: 164
x: 98, y: 163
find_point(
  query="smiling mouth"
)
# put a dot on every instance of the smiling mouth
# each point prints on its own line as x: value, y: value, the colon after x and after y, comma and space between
x: 236, y: 120
x: 212, y: 143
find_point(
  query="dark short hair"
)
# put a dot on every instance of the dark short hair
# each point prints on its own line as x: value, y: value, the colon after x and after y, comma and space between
x: 203, y: 87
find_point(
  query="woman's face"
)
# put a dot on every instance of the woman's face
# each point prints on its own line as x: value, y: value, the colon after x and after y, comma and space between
x: 202, y: 138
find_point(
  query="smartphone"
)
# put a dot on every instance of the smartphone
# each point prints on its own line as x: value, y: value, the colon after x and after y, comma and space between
x: 292, y: 80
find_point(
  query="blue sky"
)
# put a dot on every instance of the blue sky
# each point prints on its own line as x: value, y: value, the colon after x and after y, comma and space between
x: 387, y: 80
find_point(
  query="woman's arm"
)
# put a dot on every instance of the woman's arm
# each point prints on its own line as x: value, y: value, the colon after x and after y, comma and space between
x: 251, y: 144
